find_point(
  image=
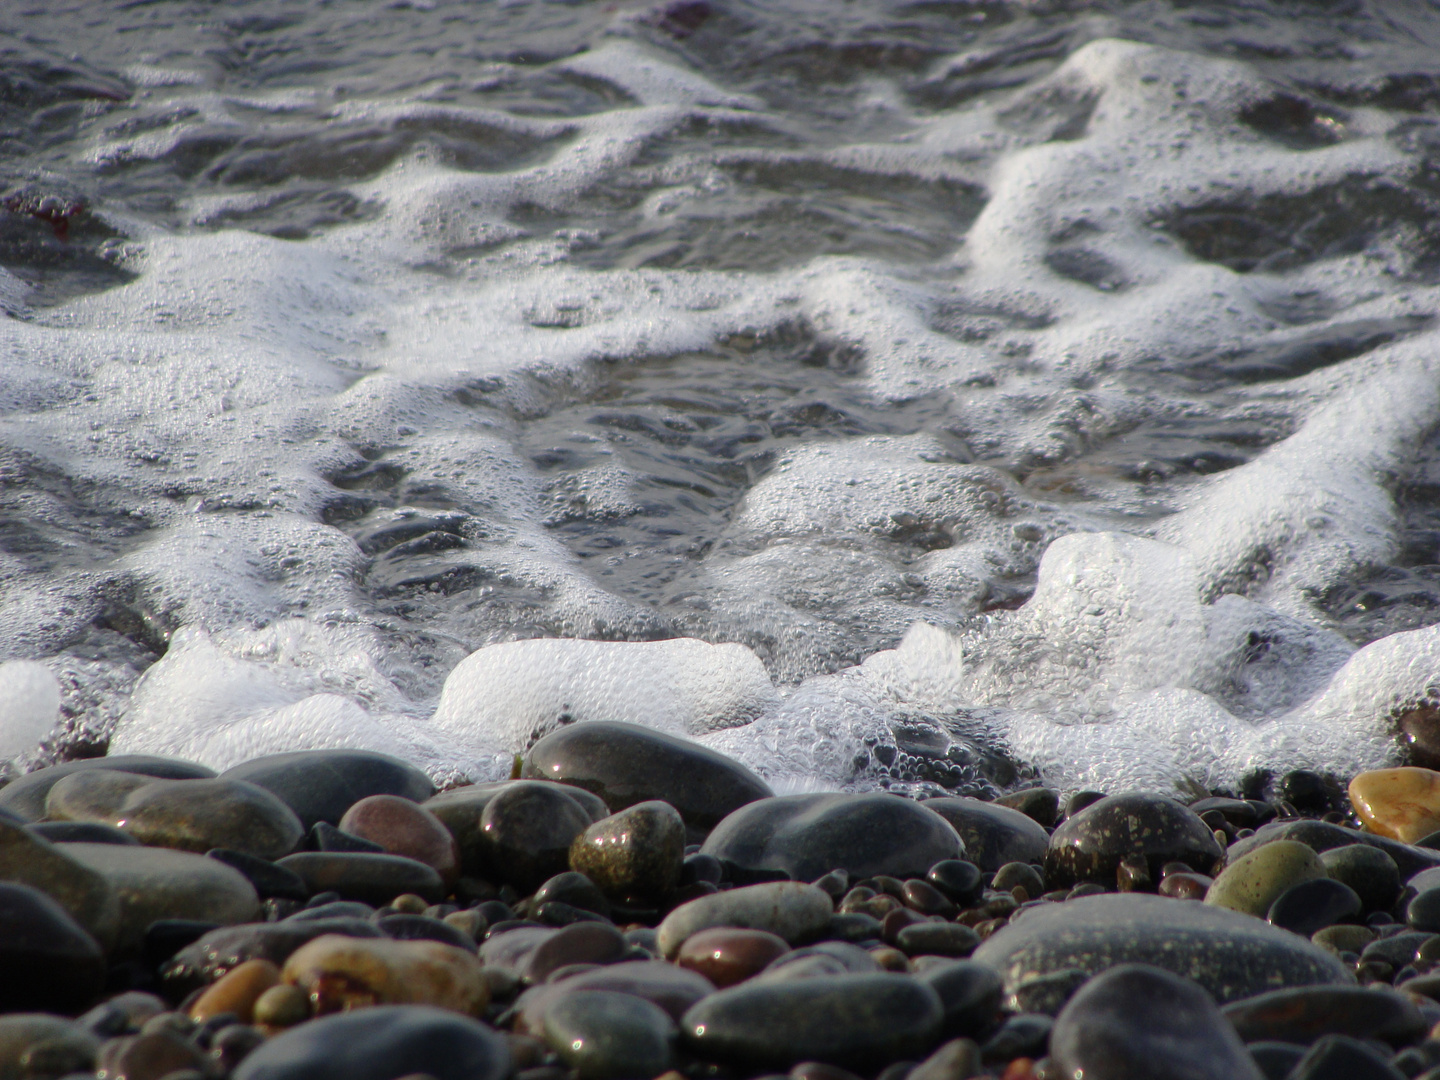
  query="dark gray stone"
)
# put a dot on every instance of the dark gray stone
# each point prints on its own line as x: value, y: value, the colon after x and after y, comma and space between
x: 269, y: 880
x: 423, y: 928
x: 604, y: 1035
x: 1231, y: 955
x: 1321, y: 836
x: 372, y: 879
x: 25, y: 795
x: 1372, y: 873
x: 197, y: 815
x: 81, y: 832
x: 993, y: 835
x: 320, y: 785
x: 1304, y: 1014
x: 574, y: 889
x: 970, y: 996
x: 1313, y: 905
x: 1423, y: 912
x: 809, y: 835
x: 47, y: 960
x: 1339, y: 1057
x: 1091, y: 845
x: 462, y: 811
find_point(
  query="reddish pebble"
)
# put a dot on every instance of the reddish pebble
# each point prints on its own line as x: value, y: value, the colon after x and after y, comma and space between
x: 926, y: 899
x: 728, y: 956
x: 1183, y: 886
x: 897, y: 920
x: 402, y: 827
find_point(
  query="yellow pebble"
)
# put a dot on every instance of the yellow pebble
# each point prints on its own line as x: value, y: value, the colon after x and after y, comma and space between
x: 237, y: 991
x: 1403, y: 804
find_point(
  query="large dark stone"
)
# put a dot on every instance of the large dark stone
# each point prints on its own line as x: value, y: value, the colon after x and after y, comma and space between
x: 373, y: 879
x: 1321, y: 836
x: 993, y: 835
x: 627, y: 764
x: 382, y: 1043
x: 810, y: 835
x: 1313, y: 905
x: 47, y: 960
x: 220, y: 950
x: 970, y: 995
x: 1231, y: 955
x: 462, y: 810
x: 320, y: 785
x: 635, y: 855
x: 1091, y: 845
x: 526, y: 831
x: 672, y: 988
x: 1137, y: 1022
x: 197, y: 815
x: 604, y: 1035
x: 859, y: 1021
x: 25, y: 796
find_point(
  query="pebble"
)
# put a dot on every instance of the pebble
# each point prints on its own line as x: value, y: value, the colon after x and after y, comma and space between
x: 382, y: 1043
x: 1046, y: 994
x: 578, y: 943
x: 993, y: 834
x: 1339, y: 1057
x: 937, y: 939
x: 1304, y: 1014
x: 81, y: 832
x: 821, y: 961
x: 1183, y: 886
x: 372, y: 879
x: 236, y: 991
x: 790, y: 910
x: 1092, y: 843
x: 728, y: 956
x: 1042, y: 805
x: 1397, y: 950
x: 1403, y: 803
x: 1312, y: 905
x: 858, y: 1021
x: 47, y: 960
x: 509, y: 949
x: 604, y: 1035
x: 268, y: 879
x: 954, y: 1060
x: 25, y: 795
x: 1275, y: 1059
x: 970, y: 996
x: 1021, y: 874
x: 526, y: 833
x: 320, y: 785
x: 626, y: 764
x: 93, y: 795
x: 281, y: 1006
x: 403, y: 827
x: 150, y: 1056
x: 27, y: 859
x: 1138, y: 1022
x: 671, y: 988
x: 574, y: 889
x: 25, y: 1036
x: 215, y: 953
x: 406, y: 927
x: 1231, y: 955
x: 462, y: 811
x: 1322, y: 836
x: 197, y: 815
x: 958, y: 879
x: 635, y: 854
x: 341, y: 973
x: 1253, y: 882
x: 810, y: 835
x: 1338, y: 939
x: 1370, y: 872
x: 151, y: 883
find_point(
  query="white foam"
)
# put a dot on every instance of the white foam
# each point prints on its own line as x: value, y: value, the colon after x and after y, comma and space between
x: 29, y: 706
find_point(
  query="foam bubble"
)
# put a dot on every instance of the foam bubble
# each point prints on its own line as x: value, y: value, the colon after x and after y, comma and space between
x: 29, y: 706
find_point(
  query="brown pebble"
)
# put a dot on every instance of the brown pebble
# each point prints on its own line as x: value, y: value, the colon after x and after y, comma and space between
x: 1403, y: 804
x: 578, y: 943
x: 402, y: 827
x: 1133, y: 875
x: 989, y: 926
x: 148, y: 1057
x: 891, y: 959
x: 897, y: 920
x: 281, y: 1007
x: 923, y: 897
x: 341, y: 973
x: 236, y: 991
x: 1183, y: 886
x: 409, y: 904
x: 728, y: 956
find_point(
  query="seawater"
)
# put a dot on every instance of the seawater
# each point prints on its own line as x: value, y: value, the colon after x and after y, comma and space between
x: 1016, y: 391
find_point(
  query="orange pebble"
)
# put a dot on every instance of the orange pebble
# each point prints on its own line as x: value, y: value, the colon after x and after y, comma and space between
x: 237, y: 991
x: 1403, y: 804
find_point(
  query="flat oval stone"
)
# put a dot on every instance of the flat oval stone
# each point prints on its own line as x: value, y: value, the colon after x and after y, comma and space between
x: 993, y: 834
x: 1305, y: 1014
x: 157, y: 883
x: 1339, y: 1057
x: 672, y: 988
x: 1310, y: 906
x: 197, y: 815
x: 1091, y: 845
x: 574, y: 889
x: 859, y: 1021
x: 236, y: 991
x: 970, y: 996
x: 217, y: 952
x: 1136, y: 1022
x: 1041, y: 805
x: 511, y: 950
x: 789, y: 909
x: 637, y: 853
x: 1369, y: 871
x: 81, y: 832
x: 626, y: 764
x: 937, y: 939
x: 92, y: 795
x: 821, y: 961
x: 1253, y: 882
x: 47, y: 960
x: 269, y: 880
x: 604, y: 1035
x: 578, y: 943
x: 27, y: 859
x: 958, y: 879
x: 320, y: 785
x: 526, y: 833
x: 1423, y: 912
x: 149, y: 1056
x: 25, y: 795
x: 1403, y: 804
x: 380, y: 1044
x: 1321, y: 836
x: 810, y: 835
x: 1229, y: 954
x: 728, y: 956
x: 403, y: 827
x: 342, y: 973
x: 373, y: 879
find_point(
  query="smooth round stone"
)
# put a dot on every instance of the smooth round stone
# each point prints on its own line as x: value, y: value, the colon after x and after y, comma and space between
x: 1311, y: 906
x: 372, y: 879
x: 153, y: 883
x: 810, y: 835
x: 858, y: 1021
x: 1339, y: 1057
x: 937, y: 939
x: 788, y: 909
x: 1338, y: 939
x: 510, y: 950
x: 1021, y: 874
x: 1275, y: 1059
x: 1041, y: 805
x: 81, y: 832
x: 674, y: 989
x: 25, y: 795
x: 462, y: 810
x: 47, y: 960
x: 28, y: 859
x: 1304, y: 1014
x: 574, y: 889
x: 923, y: 897
x: 1229, y: 954
x: 1423, y: 912
x: 993, y: 834
x: 92, y: 795
x: 423, y: 928
x: 380, y: 1044
x: 821, y: 961
x: 1183, y: 886
x: 1237, y: 812
x: 219, y: 951
x: 236, y: 991
x: 1091, y: 845
x: 342, y: 973
x: 526, y: 832
x: 1321, y: 836
x: 326, y: 837
x: 578, y: 943
x: 637, y: 853
x: 1397, y: 950
x: 626, y: 764
x: 197, y: 815
x: 151, y: 1055
x: 403, y: 827
x: 970, y: 996
x: 958, y: 879
x: 1370, y: 872
x: 1137, y: 1022
x: 1253, y: 882
x: 282, y: 1006
x: 1403, y: 804
x: 320, y: 785
x: 269, y: 880
x: 604, y: 1035
x: 27, y: 1036
x: 726, y: 956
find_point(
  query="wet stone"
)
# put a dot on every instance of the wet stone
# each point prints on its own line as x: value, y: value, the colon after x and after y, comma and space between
x: 1021, y: 874
x: 28, y: 859
x: 25, y: 796
x: 1423, y: 912
x: 1308, y: 792
x: 1024, y: 1035
x: 1304, y: 1014
x: 604, y: 1035
x: 626, y: 764
x: 574, y: 889
x: 26, y: 1036
x: 790, y: 910
x: 810, y: 835
x: 220, y: 950
x: 527, y: 831
x: 1229, y: 954
x: 92, y: 795
x: 423, y: 928
x: 726, y: 956
x: 822, y: 960
x: 635, y: 854
x: 1338, y: 939
x: 342, y: 973
x: 579, y: 943
x: 510, y: 949
x: 47, y: 960
x: 1091, y: 844
x: 462, y: 811
x: 1046, y: 994
x: 937, y: 939
x: 1275, y: 1059
x: 372, y: 879
x: 993, y: 834
x: 1254, y: 881
x: 970, y: 996
x: 958, y: 879
x: 858, y: 1021
x: 673, y: 989
x: 326, y: 837
x: 925, y: 898
x: 320, y: 785
x: 382, y: 1043
x: 1339, y: 1057
x: 1322, y: 836
x: 267, y: 878
x: 956, y: 1058
x: 197, y: 815
x: 1403, y: 803
x: 236, y: 991
x: 150, y: 1056
x: 1040, y: 805
x: 402, y: 827
x: 81, y: 832
x: 1311, y: 906
x: 1397, y: 950
x: 281, y: 1006
x: 1370, y: 872
x: 1135, y: 1022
